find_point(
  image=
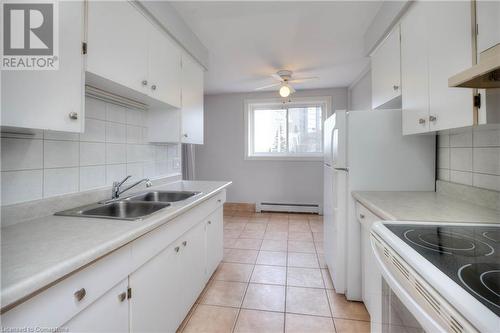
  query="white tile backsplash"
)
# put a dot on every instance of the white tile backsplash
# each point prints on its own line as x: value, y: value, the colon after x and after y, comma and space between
x: 92, y: 153
x: 46, y: 163
x: 116, y: 153
x: 92, y: 177
x: 18, y: 186
x: 60, y: 154
x: 116, y: 133
x: 470, y: 157
x: 95, y: 131
x: 60, y: 181
x: 21, y: 154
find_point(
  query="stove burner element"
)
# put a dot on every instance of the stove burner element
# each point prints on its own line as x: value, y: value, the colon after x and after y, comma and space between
x: 483, y: 280
x: 446, y: 242
x: 492, y: 235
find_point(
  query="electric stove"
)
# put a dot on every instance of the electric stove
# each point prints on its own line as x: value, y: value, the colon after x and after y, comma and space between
x: 447, y: 274
x: 469, y: 255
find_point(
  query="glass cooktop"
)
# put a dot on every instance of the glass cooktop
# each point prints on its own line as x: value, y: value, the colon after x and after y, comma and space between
x: 469, y: 255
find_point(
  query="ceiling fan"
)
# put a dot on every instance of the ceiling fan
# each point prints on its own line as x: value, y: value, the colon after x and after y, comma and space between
x: 285, y: 78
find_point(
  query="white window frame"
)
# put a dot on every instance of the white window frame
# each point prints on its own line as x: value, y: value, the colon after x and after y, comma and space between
x: 251, y: 104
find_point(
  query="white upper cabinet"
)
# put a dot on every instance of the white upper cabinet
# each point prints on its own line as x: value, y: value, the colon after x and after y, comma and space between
x: 192, y: 101
x: 450, y: 52
x: 435, y: 44
x: 164, y: 69
x: 50, y: 99
x: 386, y: 71
x: 488, y: 24
x: 128, y: 55
x: 414, y: 70
x: 117, y: 43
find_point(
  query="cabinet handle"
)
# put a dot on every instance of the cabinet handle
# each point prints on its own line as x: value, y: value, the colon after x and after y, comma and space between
x: 361, y: 216
x: 432, y: 118
x: 176, y: 249
x: 395, y: 87
x: 144, y: 82
x: 184, y: 243
x: 421, y: 121
x: 185, y: 135
x: 122, y: 296
x: 153, y: 87
x: 209, y: 222
x: 73, y: 115
x: 80, y: 294
x: 219, y: 200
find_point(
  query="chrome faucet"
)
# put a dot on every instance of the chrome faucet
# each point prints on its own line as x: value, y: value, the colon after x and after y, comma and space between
x: 117, y: 191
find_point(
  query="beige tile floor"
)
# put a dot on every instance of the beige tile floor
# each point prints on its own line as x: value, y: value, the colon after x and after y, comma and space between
x: 273, y: 278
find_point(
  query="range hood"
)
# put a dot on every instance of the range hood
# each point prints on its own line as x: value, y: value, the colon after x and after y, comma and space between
x: 484, y: 75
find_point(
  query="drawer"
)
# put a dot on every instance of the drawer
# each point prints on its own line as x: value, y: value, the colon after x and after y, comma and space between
x: 365, y: 216
x: 149, y: 245
x: 59, y: 303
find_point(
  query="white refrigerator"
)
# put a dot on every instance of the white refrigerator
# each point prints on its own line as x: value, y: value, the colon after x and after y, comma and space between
x: 366, y: 151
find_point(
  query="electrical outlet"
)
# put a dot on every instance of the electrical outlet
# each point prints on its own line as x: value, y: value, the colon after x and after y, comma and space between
x: 176, y: 163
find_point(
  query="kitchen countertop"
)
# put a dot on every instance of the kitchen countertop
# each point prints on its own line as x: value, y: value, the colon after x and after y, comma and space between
x: 424, y: 206
x: 38, y: 252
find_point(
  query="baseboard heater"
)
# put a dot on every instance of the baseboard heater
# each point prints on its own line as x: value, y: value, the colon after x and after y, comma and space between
x: 287, y: 207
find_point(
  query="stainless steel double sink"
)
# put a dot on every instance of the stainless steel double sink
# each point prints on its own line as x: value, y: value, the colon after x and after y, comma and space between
x: 133, y: 207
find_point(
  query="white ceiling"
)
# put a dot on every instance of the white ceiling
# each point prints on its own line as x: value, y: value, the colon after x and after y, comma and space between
x: 248, y: 41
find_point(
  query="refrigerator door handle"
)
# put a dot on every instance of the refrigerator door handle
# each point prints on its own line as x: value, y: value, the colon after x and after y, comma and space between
x: 342, y: 169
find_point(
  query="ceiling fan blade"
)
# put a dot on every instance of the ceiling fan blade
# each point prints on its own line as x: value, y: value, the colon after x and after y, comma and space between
x: 277, y: 77
x: 269, y: 86
x: 303, y: 79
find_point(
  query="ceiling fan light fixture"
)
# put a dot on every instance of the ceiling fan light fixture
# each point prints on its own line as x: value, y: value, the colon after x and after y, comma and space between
x: 285, y: 91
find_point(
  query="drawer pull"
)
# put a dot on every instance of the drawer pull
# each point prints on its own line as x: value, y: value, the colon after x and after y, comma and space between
x: 209, y: 222
x: 184, y: 243
x: 361, y: 216
x: 80, y: 294
x: 219, y: 200
x: 176, y: 249
x: 122, y: 296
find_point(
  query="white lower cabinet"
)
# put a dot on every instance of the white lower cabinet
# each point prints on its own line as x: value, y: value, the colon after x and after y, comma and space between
x: 107, y: 314
x: 214, y: 241
x: 155, y: 303
x: 148, y: 285
x: 370, y: 275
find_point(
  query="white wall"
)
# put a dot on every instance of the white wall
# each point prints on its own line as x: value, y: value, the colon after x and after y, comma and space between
x: 360, y: 93
x: 222, y: 155
x: 114, y: 145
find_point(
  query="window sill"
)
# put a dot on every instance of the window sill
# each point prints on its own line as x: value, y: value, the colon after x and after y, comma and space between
x: 284, y: 158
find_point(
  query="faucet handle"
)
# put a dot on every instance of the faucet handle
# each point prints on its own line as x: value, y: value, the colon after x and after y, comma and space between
x: 124, y: 180
x: 149, y: 183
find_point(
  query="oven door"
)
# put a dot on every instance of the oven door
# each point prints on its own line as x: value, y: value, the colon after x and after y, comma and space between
x: 396, y: 318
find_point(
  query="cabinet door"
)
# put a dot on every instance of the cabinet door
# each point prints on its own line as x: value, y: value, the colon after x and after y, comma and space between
x: 488, y: 24
x: 118, y: 43
x: 156, y: 291
x: 414, y: 70
x: 45, y: 99
x: 107, y: 314
x: 193, y: 266
x: 214, y: 241
x: 192, y: 101
x: 386, y: 70
x: 164, y: 68
x: 450, y: 52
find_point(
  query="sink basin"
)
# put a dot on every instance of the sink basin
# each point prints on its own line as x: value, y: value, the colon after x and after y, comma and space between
x: 162, y: 196
x: 123, y: 210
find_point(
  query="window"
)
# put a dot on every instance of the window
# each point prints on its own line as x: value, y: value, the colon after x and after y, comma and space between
x: 285, y: 131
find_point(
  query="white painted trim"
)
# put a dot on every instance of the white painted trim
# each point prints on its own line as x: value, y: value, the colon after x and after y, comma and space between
x: 326, y: 101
